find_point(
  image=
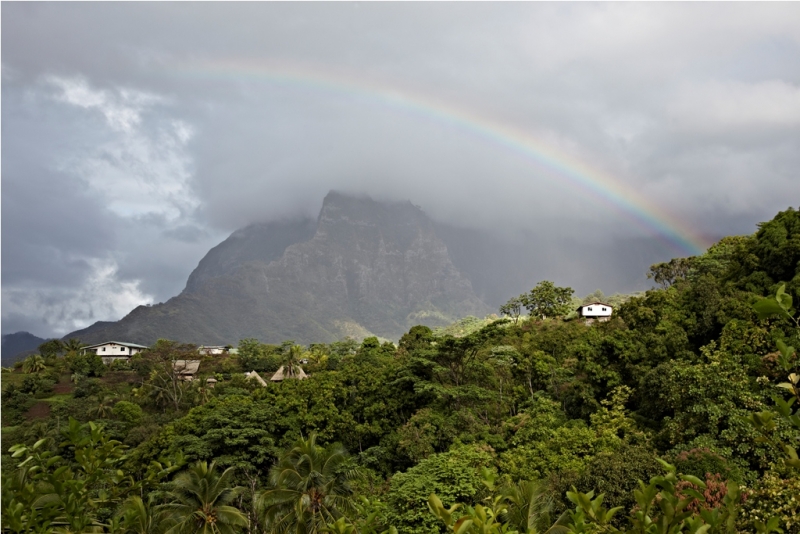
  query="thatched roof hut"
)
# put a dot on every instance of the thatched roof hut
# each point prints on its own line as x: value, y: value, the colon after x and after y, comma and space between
x: 186, y: 368
x: 280, y: 375
x: 257, y: 377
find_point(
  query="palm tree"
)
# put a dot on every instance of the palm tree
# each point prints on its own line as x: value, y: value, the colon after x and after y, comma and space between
x: 139, y: 517
x: 202, y: 392
x: 104, y: 407
x: 291, y: 361
x: 201, y: 502
x: 529, y: 508
x: 309, y: 489
x: 73, y: 345
x: 157, y: 395
x: 34, y: 364
x: 317, y: 354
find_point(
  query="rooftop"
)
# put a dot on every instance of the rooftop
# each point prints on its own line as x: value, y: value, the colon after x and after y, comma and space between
x: 123, y: 343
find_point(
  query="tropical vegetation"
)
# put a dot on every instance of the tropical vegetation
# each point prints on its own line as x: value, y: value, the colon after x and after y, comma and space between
x: 677, y: 415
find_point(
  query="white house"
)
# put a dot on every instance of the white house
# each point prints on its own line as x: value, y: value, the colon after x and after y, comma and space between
x: 596, y: 311
x: 115, y: 350
x: 211, y: 349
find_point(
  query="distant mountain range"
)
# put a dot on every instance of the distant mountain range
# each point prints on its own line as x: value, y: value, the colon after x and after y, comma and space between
x: 362, y: 268
x: 16, y: 345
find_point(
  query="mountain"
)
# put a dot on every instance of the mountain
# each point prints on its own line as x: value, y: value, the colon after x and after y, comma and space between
x: 15, y: 344
x: 362, y: 268
x: 258, y: 242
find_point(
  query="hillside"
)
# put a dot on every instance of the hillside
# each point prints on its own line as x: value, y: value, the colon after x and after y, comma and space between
x: 367, y: 268
x: 17, y: 343
x: 515, y: 413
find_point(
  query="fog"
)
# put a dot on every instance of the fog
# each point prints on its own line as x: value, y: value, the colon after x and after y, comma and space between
x: 136, y: 136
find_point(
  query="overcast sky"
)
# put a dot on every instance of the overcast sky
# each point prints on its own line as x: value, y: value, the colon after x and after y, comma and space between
x: 135, y: 136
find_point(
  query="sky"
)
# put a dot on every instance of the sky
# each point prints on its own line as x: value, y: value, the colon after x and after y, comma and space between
x: 136, y: 136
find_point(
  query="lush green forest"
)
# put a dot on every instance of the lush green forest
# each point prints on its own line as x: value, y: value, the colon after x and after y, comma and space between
x: 678, y: 414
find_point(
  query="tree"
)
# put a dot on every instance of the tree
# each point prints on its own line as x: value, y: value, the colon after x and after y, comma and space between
x: 51, y: 348
x: 73, y: 345
x: 290, y: 361
x: 167, y: 360
x: 548, y: 300
x: 529, y: 506
x: 257, y: 356
x: 201, y: 502
x: 87, y: 364
x: 454, y: 476
x: 139, y: 517
x: 667, y: 273
x: 457, y: 354
x: 47, y: 493
x: 512, y: 308
x: 318, y: 356
x: 765, y: 422
x: 519, y: 508
x: 104, y: 407
x: 664, y: 505
x: 128, y: 412
x: 373, y: 352
x: 417, y: 338
x: 310, y: 488
x: 201, y: 391
x: 34, y: 364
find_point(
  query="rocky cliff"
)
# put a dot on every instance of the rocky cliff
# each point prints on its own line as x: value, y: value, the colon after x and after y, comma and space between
x: 363, y: 268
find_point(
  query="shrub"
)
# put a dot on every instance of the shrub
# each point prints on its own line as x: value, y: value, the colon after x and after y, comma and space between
x: 699, y: 461
x: 15, y: 404
x: 454, y: 476
x: 141, y: 365
x: 120, y: 365
x: 773, y: 496
x: 427, y: 432
x: 140, y: 434
x: 128, y: 412
x: 87, y: 387
x: 616, y: 474
x: 89, y: 364
x: 37, y: 385
x: 714, y: 492
x: 566, y: 448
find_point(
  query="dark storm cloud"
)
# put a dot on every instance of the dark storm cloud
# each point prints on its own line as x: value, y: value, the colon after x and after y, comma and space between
x: 125, y: 156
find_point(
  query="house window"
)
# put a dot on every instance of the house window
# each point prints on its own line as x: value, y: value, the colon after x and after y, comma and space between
x: 604, y: 309
x: 104, y: 349
x: 590, y: 308
x: 123, y: 348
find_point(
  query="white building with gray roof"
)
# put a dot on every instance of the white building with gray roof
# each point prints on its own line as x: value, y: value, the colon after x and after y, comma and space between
x: 111, y: 351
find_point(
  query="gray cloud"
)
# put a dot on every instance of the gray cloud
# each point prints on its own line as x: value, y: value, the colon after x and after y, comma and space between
x: 137, y: 135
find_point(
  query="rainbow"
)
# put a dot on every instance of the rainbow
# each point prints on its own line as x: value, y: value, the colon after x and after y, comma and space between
x: 576, y: 174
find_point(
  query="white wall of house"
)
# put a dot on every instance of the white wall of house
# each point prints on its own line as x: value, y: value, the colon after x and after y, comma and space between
x: 211, y: 350
x: 115, y: 351
x: 596, y: 310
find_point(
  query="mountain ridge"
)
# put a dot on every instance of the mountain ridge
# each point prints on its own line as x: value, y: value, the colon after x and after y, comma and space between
x: 370, y: 268
x: 15, y: 346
